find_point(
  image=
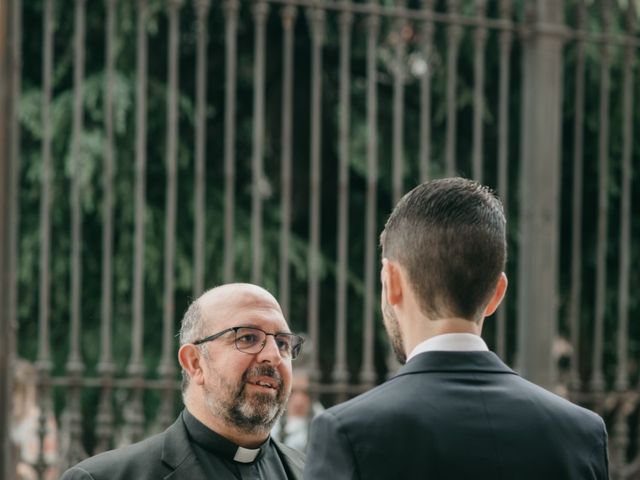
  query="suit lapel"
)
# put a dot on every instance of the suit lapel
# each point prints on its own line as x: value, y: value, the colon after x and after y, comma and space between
x: 178, y: 455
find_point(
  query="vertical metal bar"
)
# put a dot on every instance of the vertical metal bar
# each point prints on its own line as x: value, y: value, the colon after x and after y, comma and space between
x: 622, y: 377
x: 597, y: 378
x: 202, y: 12
x: 620, y: 440
x: 340, y: 373
x: 505, y: 40
x: 399, y: 67
x: 8, y: 33
x: 167, y: 368
x: 367, y: 371
x: 317, y: 24
x: 14, y: 187
x: 480, y: 37
x: 289, y: 14
x: 261, y: 11
x: 576, y: 217
x: 454, y: 36
x: 134, y: 415
x: 106, y: 367
x: 539, y: 187
x: 428, y: 28
x: 75, y: 366
x: 43, y: 363
x: 231, y: 8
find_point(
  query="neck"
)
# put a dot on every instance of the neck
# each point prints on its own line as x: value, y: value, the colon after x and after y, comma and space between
x: 232, y: 433
x: 424, y: 328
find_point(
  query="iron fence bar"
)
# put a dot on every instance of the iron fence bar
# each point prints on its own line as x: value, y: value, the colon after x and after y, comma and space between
x: 167, y: 368
x: 597, y: 378
x: 505, y: 42
x: 134, y: 415
x: 43, y: 363
x: 398, y: 65
x: 124, y: 383
x: 317, y: 24
x: 160, y: 385
x: 367, y: 375
x: 261, y: 12
x: 454, y: 34
x: 74, y: 365
x: 8, y: 38
x: 340, y: 374
x: 576, y: 217
x: 622, y: 377
x: 231, y: 8
x: 106, y: 367
x: 601, y: 38
x: 564, y: 32
x: 480, y: 37
x: 288, y: 15
x: 395, y: 12
x: 202, y: 13
x: 620, y: 440
x: 7, y: 460
x: 428, y: 28
x: 15, y: 167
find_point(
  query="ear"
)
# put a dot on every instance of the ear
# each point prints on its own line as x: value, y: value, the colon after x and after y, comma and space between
x: 498, y: 295
x: 391, y: 277
x: 189, y: 358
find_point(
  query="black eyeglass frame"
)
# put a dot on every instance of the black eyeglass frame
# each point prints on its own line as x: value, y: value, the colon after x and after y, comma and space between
x: 295, y: 348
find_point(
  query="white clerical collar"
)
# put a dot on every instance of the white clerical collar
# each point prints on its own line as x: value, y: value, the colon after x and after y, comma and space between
x: 450, y: 342
x: 246, y: 455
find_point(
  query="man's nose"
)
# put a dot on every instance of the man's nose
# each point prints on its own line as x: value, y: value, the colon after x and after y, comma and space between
x: 270, y: 353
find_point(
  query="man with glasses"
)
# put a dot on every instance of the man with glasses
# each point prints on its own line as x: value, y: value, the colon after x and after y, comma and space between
x: 236, y: 352
x: 454, y: 411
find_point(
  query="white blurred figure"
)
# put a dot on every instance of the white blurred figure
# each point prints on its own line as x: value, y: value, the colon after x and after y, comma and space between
x: 293, y: 427
x: 25, y: 426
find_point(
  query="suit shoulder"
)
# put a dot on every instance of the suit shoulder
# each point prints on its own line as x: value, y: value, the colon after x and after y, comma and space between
x: 562, y: 404
x: 371, y: 400
x: 119, y: 463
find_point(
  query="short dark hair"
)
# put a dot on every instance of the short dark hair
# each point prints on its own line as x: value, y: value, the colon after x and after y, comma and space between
x: 449, y: 235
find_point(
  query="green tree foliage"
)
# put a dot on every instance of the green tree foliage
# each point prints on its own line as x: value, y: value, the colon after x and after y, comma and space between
x: 124, y: 87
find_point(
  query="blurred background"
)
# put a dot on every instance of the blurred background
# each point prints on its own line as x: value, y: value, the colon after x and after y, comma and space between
x: 152, y: 149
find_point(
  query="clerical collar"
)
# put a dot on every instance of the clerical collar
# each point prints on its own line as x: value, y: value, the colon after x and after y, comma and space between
x: 215, y: 443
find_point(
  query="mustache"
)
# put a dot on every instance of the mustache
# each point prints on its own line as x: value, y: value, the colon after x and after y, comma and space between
x: 263, y: 371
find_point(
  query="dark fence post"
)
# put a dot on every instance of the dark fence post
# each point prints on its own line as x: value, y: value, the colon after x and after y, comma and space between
x: 540, y: 187
x: 7, y: 469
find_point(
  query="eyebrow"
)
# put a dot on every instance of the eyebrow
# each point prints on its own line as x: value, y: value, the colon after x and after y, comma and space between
x: 253, y: 325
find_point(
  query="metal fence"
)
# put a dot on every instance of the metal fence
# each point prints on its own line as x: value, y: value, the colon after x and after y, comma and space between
x: 202, y: 142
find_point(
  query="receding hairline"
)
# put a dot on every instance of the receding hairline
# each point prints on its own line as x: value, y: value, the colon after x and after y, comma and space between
x: 235, y: 296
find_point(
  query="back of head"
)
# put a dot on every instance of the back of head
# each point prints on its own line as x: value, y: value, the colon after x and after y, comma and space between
x: 449, y: 236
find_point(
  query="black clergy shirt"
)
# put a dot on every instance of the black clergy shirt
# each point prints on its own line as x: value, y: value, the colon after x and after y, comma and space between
x: 216, y: 455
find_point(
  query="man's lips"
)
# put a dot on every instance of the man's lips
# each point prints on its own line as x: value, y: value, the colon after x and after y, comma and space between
x: 265, y: 382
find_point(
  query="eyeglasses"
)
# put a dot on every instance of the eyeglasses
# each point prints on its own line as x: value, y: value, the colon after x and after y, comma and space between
x: 253, y: 340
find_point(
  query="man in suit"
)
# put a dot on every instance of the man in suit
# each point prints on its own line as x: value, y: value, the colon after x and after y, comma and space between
x: 454, y: 411
x: 235, y: 351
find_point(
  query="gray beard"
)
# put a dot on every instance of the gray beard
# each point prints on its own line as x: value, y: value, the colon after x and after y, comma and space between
x: 252, y: 414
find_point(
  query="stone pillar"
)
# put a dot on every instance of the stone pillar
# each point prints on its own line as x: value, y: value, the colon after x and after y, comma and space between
x: 537, y: 281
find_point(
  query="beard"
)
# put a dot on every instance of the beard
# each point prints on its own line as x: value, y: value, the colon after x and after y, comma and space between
x: 393, y: 331
x: 249, y: 412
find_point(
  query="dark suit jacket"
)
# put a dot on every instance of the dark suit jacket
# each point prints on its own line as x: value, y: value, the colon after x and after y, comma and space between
x: 454, y: 416
x: 168, y: 455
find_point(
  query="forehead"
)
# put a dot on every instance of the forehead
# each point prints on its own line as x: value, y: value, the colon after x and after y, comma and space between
x: 246, y: 309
